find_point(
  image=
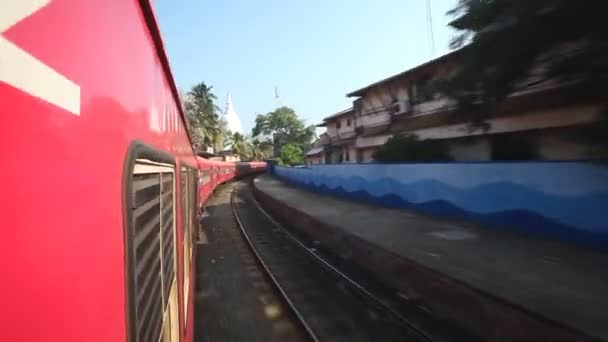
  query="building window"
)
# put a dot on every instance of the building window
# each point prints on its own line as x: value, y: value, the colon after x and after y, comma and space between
x: 338, y: 124
x: 358, y: 106
x: 422, y: 90
x: 348, y: 122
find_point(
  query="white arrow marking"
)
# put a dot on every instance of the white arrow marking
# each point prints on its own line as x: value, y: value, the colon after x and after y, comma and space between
x: 24, y: 71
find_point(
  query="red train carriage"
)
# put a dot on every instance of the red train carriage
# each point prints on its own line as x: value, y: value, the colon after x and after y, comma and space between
x: 213, y: 173
x: 226, y: 171
x: 99, y: 177
x: 250, y: 168
x: 205, y: 180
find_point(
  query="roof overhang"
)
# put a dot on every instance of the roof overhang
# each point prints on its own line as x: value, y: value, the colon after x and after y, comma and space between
x: 314, y: 151
x: 360, y: 92
x: 339, y: 114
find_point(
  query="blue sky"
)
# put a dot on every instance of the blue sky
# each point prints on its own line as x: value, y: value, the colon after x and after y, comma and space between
x: 314, y: 51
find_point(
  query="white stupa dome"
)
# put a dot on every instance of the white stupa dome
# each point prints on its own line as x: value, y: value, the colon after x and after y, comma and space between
x: 233, y: 122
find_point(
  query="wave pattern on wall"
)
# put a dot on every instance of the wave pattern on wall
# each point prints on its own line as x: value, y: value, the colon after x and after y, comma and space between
x: 567, y: 201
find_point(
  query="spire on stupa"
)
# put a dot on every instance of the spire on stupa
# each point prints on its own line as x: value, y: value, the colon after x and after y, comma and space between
x: 233, y: 123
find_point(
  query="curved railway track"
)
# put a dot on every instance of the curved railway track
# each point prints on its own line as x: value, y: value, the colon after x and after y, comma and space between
x: 327, y: 303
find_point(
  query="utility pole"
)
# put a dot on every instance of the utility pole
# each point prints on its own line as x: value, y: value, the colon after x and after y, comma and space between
x: 429, y: 27
x: 277, y: 99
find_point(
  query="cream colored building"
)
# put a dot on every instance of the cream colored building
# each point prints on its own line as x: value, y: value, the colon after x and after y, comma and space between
x: 547, y: 118
x: 338, y: 141
x: 315, y: 155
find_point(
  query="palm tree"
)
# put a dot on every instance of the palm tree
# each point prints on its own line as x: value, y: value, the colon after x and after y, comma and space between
x: 203, y: 114
x: 239, y: 145
x: 204, y: 98
x: 258, y: 150
x: 222, y: 136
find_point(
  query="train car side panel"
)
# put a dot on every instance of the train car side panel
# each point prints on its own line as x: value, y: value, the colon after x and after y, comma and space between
x: 68, y: 155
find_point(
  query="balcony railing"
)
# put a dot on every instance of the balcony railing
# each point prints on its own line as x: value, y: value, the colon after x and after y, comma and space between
x: 372, y: 141
x: 432, y: 106
x: 324, y: 139
x: 373, y: 119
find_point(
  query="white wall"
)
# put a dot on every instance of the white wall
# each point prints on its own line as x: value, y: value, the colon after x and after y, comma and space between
x: 533, y: 120
x: 432, y: 106
x: 352, y: 154
x: 372, y: 141
x: 367, y: 154
x: 331, y: 129
x: 316, y: 159
x: 375, y: 119
x: 557, y: 145
x: 376, y: 102
x: 344, y: 127
x: 477, y: 148
x: 550, y: 144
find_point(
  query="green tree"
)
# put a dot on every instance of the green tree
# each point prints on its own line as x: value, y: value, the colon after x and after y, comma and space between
x: 409, y: 148
x: 259, y: 150
x: 285, y: 127
x: 203, y: 118
x: 240, y: 146
x: 291, y: 154
x: 223, y: 135
x: 506, y: 43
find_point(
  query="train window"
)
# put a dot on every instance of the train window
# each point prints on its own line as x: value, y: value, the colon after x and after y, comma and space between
x: 188, y: 187
x: 194, y: 207
x: 205, y: 177
x: 185, y: 208
x: 151, y: 248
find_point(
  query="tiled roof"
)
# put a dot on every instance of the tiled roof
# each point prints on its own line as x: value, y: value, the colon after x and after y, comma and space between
x: 314, y: 151
x: 344, y: 112
x: 361, y: 92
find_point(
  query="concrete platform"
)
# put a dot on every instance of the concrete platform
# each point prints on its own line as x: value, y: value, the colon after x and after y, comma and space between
x: 503, y: 286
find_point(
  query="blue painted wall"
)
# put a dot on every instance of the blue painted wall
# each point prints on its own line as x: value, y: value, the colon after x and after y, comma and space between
x: 560, y: 200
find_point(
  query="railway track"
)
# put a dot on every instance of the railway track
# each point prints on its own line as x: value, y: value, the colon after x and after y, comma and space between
x: 327, y: 303
x: 235, y: 300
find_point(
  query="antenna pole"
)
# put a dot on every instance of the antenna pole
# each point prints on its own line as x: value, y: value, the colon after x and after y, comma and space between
x: 277, y: 99
x: 429, y: 27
